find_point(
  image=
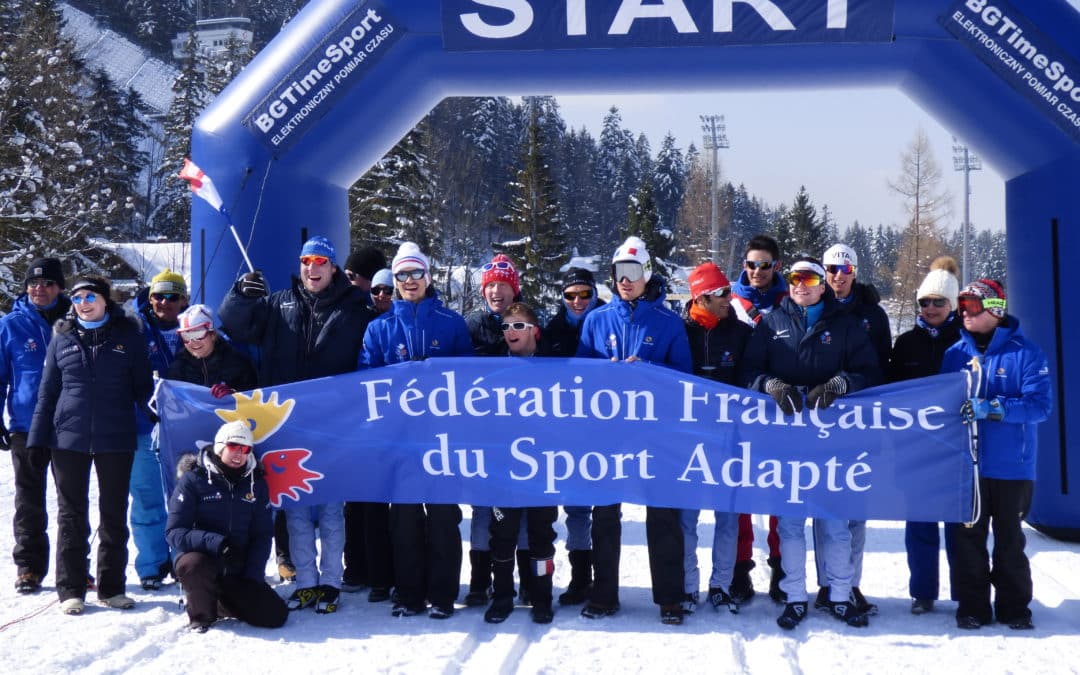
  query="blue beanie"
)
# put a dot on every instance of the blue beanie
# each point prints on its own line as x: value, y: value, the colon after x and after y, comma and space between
x: 319, y: 245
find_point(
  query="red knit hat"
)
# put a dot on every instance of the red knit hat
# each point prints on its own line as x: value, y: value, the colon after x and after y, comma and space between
x: 707, y: 279
x: 501, y: 268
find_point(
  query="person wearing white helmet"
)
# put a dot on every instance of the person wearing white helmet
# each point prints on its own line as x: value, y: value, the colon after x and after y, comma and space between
x: 636, y: 326
x: 220, y: 530
x: 863, y: 301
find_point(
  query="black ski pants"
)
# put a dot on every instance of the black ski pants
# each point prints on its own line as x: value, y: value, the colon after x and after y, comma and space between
x: 252, y: 601
x: 426, y: 542
x: 31, y: 465
x: 368, y: 554
x: 539, y: 525
x: 663, y: 534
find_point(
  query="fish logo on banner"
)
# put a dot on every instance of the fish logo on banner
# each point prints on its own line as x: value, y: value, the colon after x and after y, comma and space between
x: 286, y: 475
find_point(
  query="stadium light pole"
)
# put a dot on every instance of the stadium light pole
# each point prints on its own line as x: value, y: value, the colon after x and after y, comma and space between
x: 966, y: 161
x: 715, y: 138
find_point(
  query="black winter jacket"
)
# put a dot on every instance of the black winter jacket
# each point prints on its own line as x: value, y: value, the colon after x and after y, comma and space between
x: 91, y: 385
x: 919, y: 352
x: 300, y: 336
x: 225, y: 364
x: 207, y: 510
x: 836, y: 345
x: 562, y: 338
x: 486, y: 333
x: 865, y: 304
x: 718, y: 352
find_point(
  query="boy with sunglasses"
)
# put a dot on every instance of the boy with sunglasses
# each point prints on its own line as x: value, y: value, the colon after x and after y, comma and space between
x: 919, y: 353
x: 810, y: 345
x: 1012, y: 397
x: 717, y: 341
x: 636, y: 326
x: 864, y: 302
x: 25, y: 333
x: 314, y: 328
x: 562, y: 335
x: 158, y: 307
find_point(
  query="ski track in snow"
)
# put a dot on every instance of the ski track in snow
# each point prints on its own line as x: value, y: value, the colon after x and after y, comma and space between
x: 363, y: 637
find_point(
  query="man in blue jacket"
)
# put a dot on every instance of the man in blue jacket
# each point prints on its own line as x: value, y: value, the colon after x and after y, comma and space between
x: 24, y: 336
x: 636, y: 326
x: 1012, y: 396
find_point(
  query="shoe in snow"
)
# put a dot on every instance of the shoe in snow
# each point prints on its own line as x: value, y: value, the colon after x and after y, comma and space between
x: 301, y: 598
x: 741, y: 589
x: 351, y: 586
x: 794, y: 613
x: 846, y: 612
x: 28, y: 583
x: 822, y: 602
x: 440, y: 611
x: 719, y: 599
x: 922, y: 606
x: 690, y: 602
x: 118, y: 602
x: 198, y: 627
x: 1021, y: 623
x: 593, y: 611
x: 73, y: 606
x: 401, y: 609
x: 671, y: 615
x: 499, y: 611
x: 968, y: 623
x: 286, y: 572
x: 863, y: 605
x: 327, y: 602
x: 542, y: 614
x: 580, y: 578
x: 377, y: 594
x: 478, y: 598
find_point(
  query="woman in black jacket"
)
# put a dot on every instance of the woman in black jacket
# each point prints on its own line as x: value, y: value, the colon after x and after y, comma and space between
x: 220, y: 529
x: 207, y: 358
x: 96, y: 373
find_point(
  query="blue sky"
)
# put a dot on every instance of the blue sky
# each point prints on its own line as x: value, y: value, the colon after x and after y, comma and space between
x: 843, y: 145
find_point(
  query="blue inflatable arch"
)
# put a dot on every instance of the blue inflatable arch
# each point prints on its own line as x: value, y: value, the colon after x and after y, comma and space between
x: 347, y: 78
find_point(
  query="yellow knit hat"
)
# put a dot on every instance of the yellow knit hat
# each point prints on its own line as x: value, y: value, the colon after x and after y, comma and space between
x: 168, y: 282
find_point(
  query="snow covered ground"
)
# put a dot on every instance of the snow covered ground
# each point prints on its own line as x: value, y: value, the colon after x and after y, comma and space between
x: 362, y: 637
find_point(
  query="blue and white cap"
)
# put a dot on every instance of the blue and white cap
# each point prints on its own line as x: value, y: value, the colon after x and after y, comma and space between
x: 319, y: 245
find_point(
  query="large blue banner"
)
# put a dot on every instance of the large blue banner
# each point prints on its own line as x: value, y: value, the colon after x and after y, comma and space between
x: 519, y: 432
x: 604, y: 24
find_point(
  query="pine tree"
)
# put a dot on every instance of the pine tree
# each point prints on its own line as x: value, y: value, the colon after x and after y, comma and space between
x: 614, y: 178
x: 643, y: 220
x: 533, y: 215
x: 692, y: 234
x: 669, y: 178
x: 580, y: 201
x: 806, y: 232
x: 221, y: 69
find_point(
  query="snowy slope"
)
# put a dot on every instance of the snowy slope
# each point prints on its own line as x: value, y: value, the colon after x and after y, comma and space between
x: 362, y: 637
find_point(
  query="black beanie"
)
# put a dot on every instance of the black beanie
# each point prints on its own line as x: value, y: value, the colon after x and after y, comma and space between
x: 366, y: 262
x: 578, y: 275
x: 93, y: 282
x: 46, y: 268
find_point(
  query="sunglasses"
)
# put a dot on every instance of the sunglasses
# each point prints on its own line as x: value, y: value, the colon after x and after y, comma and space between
x: 759, y: 264
x: 973, y: 306
x: 194, y: 334
x: 808, y: 279
x: 840, y: 269
x: 314, y: 260
x: 238, y: 447
x: 630, y: 271
x: 89, y: 298
x: 165, y: 297
x: 936, y: 302
x: 382, y: 290
x: 722, y: 293
x: 570, y: 296
x: 405, y: 275
x: 40, y: 283
x: 501, y: 265
x: 517, y: 325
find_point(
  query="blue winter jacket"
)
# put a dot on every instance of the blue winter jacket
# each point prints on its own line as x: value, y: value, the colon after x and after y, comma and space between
x: 865, y: 304
x: 207, y: 510
x: 837, y: 344
x: 1016, y: 373
x: 88, y: 394
x: 411, y: 331
x: 300, y: 336
x: 161, y: 350
x: 646, y: 329
x: 24, y: 337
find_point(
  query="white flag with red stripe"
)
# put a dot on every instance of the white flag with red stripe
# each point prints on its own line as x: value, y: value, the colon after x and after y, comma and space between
x: 201, y: 184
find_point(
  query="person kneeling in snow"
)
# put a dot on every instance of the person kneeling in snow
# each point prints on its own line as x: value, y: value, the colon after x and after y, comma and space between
x: 220, y: 528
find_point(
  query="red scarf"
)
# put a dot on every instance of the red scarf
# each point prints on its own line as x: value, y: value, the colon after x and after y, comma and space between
x: 704, y: 317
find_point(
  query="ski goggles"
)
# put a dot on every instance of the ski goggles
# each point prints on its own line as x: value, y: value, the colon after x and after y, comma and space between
x: 195, y: 334
x: 973, y: 306
x: 570, y: 296
x: 238, y: 447
x: 936, y: 302
x: 840, y: 269
x: 630, y: 271
x: 721, y: 293
x: 753, y: 265
x: 165, y: 297
x: 89, y: 298
x: 517, y: 325
x: 314, y: 260
x: 405, y: 275
x: 808, y: 279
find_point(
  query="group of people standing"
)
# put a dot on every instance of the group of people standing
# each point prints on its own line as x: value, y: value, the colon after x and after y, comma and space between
x: 76, y: 375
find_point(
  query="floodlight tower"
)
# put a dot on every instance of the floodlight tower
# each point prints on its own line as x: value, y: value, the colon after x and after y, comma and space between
x: 715, y: 138
x: 966, y: 161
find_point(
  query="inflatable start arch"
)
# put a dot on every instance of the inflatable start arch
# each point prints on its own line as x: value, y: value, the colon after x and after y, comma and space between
x: 347, y: 78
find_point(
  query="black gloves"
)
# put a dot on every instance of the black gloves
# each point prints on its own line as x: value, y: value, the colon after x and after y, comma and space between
x: 252, y: 285
x: 786, y: 396
x: 5, y: 437
x: 823, y: 395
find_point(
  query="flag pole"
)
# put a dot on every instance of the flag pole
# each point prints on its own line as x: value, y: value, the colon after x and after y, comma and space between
x: 204, y: 188
x: 240, y: 245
